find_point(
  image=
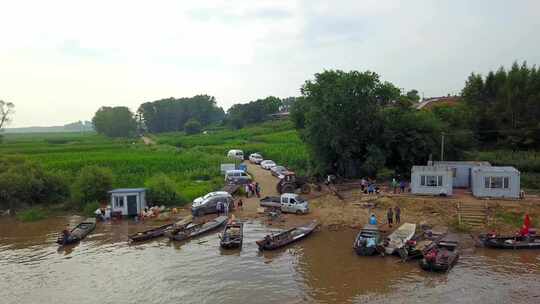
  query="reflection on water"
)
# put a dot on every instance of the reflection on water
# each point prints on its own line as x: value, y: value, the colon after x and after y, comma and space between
x: 104, y: 268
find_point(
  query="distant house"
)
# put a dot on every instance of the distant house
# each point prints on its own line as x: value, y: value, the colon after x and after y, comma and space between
x: 461, y: 171
x: 128, y: 201
x: 431, y: 180
x: 280, y: 115
x: 433, y: 101
x: 501, y: 182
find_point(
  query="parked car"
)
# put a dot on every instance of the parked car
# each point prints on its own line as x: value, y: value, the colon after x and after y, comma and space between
x: 236, y: 154
x: 278, y: 171
x: 287, y: 202
x: 207, y: 204
x: 239, y: 177
x: 255, y: 158
x: 268, y: 164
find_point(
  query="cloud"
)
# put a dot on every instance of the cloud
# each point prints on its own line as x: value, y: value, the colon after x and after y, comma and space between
x: 61, y: 60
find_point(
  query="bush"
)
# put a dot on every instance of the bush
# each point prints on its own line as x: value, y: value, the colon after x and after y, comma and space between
x: 90, y: 208
x: 161, y: 190
x: 192, y: 126
x: 92, y: 185
x: 31, y: 215
x: 24, y: 182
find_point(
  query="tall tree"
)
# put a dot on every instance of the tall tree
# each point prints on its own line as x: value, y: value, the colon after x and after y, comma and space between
x: 6, y: 111
x: 115, y: 122
x: 253, y: 112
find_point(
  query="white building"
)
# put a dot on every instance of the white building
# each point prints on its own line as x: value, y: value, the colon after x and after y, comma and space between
x: 461, y: 171
x: 128, y: 201
x: 503, y: 182
x: 431, y: 180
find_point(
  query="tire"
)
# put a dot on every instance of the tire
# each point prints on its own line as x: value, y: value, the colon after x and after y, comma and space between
x: 288, y: 188
x: 305, y: 189
x: 298, y: 212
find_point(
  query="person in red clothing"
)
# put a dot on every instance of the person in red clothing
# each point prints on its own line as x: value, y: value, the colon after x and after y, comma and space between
x: 526, y: 226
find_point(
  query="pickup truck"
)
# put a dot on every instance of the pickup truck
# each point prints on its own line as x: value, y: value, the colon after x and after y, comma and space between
x: 287, y: 202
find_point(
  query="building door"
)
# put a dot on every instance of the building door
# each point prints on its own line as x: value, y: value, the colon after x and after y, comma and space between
x: 132, y: 204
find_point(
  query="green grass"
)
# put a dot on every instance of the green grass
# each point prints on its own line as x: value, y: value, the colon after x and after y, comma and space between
x: 514, y: 219
x: 192, y: 162
x: 31, y: 215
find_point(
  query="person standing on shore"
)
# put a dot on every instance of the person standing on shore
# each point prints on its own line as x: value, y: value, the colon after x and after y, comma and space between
x: 402, y: 186
x: 258, y: 189
x: 390, y: 216
x: 394, y: 185
x: 247, y: 190
x: 373, y: 219
x: 240, y: 204
x: 397, y: 210
x: 226, y: 208
x: 219, y: 207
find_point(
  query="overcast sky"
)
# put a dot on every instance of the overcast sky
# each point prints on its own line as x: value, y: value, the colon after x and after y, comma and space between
x: 61, y: 60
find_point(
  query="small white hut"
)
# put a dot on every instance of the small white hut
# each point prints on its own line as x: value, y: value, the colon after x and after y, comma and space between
x: 128, y: 201
x: 503, y: 182
x: 431, y: 180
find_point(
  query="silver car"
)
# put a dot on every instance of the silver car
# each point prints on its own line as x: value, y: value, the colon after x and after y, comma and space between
x: 207, y: 204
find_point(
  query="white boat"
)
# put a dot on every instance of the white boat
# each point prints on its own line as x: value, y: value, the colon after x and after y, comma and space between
x: 399, y: 237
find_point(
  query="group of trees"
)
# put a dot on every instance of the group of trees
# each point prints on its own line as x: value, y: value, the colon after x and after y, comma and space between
x: 6, y: 111
x: 165, y: 115
x: 506, y: 106
x: 354, y: 125
x: 170, y: 115
x: 242, y: 114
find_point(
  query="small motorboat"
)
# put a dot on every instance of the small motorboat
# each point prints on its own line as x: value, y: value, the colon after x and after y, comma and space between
x: 510, y: 242
x: 526, y: 238
x: 78, y: 233
x: 367, y: 240
x: 193, y: 230
x: 441, y: 255
x: 232, y: 235
x: 275, y: 241
x: 397, y: 240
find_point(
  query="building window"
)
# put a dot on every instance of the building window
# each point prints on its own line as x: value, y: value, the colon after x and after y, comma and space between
x: 497, y: 182
x: 431, y: 180
x: 454, y: 172
x: 118, y: 202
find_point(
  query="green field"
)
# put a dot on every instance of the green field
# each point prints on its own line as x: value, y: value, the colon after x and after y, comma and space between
x: 191, y: 161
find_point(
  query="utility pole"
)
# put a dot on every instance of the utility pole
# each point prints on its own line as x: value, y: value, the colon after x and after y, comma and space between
x: 442, y: 146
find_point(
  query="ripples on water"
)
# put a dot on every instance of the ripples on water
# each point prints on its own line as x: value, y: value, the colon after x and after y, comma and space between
x: 104, y: 268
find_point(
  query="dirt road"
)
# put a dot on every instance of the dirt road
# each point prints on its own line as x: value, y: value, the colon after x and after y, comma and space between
x: 266, y: 181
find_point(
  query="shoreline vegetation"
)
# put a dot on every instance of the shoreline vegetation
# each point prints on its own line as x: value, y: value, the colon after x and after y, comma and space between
x: 369, y: 128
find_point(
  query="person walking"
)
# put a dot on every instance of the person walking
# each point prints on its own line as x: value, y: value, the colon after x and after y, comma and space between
x: 397, y: 210
x: 258, y: 189
x: 390, y: 216
x: 240, y: 204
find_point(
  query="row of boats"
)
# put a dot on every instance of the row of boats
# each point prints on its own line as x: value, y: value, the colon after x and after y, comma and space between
x: 231, y: 237
x: 436, y: 251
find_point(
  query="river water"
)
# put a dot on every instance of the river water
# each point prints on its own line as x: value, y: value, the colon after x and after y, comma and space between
x: 104, y: 268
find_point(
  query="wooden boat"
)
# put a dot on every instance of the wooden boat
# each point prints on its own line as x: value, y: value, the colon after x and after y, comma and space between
x: 78, y: 233
x: 194, y: 230
x: 414, y: 248
x: 160, y: 231
x: 441, y: 256
x: 274, y: 241
x: 150, y: 233
x: 367, y: 240
x: 398, y: 239
x: 511, y: 242
x: 233, y: 235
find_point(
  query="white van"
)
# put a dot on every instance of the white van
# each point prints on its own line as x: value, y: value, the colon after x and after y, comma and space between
x: 238, y: 154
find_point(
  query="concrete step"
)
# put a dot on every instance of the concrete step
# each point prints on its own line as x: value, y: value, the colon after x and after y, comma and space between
x: 472, y: 215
